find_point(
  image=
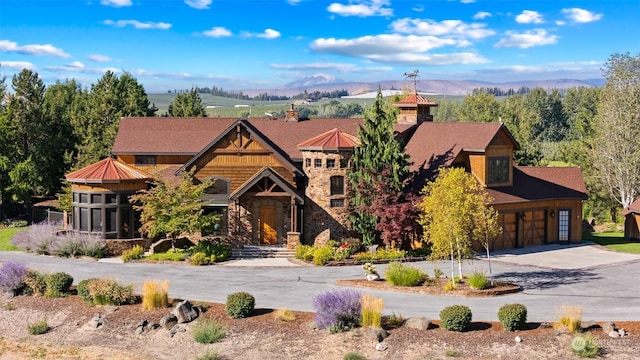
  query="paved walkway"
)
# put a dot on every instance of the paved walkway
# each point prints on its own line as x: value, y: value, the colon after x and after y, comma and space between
x: 609, y: 292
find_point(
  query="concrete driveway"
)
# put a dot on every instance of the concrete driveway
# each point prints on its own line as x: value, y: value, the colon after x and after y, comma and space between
x: 607, y: 293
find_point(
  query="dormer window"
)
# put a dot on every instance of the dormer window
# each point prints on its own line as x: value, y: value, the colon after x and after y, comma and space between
x: 498, y: 170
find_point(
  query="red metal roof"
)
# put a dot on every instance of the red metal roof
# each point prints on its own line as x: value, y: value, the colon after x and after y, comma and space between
x: 333, y: 139
x: 108, y: 170
x: 415, y: 99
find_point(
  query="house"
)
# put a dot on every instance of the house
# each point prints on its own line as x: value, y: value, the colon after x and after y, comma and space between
x: 632, y: 221
x: 284, y: 181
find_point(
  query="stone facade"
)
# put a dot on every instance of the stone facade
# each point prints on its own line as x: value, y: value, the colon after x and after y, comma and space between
x: 326, y: 215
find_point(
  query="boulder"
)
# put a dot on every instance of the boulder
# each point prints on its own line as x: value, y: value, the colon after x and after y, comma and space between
x: 381, y: 346
x: 614, y: 334
x: 96, y: 321
x: 622, y: 332
x: 377, y: 334
x: 420, y: 323
x: 168, y: 321
x: 176, y: 329
x: 185, y: 312
x: 608, y: 327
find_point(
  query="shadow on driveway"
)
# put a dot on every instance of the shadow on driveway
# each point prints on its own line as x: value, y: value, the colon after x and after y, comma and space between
x: 547, y: 279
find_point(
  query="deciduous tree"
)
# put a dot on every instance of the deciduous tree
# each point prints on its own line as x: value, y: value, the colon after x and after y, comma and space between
x: 187, y: 104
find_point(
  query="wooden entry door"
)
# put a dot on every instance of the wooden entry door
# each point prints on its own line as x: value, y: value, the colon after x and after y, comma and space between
x: 267, y: 220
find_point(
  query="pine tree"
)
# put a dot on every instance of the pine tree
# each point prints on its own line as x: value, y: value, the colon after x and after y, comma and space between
x: 187, y: 105
x: 378, y: 150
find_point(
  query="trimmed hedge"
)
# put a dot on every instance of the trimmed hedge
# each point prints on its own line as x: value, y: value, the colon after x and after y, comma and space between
x: 513, y: 316
x: 455, y: 318
x: 240, y: 305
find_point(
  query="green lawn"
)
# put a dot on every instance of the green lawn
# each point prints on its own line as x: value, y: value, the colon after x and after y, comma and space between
x: 614, y: 241
x: 6, y: 235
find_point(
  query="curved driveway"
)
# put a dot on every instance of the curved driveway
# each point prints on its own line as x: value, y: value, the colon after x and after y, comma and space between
x: 606, y: 292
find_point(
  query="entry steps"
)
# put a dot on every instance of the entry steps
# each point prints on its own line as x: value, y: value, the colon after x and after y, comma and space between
x: 253, y: 251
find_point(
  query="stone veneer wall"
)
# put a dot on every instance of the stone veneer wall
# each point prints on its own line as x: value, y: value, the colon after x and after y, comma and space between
x: 243, y: 223
x: 321, y: 221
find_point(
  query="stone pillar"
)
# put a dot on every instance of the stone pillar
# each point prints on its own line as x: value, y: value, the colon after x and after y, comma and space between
x: 293, y: 240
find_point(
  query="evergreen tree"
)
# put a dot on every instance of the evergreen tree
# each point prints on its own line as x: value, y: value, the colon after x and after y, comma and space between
x: 187, y: 105
x: 378, y: 150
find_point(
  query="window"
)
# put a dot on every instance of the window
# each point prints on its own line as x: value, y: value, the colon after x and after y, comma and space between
x: 337, y: 185
x: 145, y: 159
x: 307, y: 162
x: 337, y: 203
x: 498, y: 170
x: 331, y: 163
x: 563, y: 225
x: 344, y: 163
x: 317, y: 163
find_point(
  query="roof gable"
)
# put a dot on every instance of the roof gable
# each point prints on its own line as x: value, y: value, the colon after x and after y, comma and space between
x: 634, y: 208
x: 272, y: 182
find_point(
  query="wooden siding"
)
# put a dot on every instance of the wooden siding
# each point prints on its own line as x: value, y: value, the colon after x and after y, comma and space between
x: 162, y: 162
x: 237, y: 157
x: 536, y: 223
x: 478, y: 166
x: 632, y: 226
x: 126, y: 186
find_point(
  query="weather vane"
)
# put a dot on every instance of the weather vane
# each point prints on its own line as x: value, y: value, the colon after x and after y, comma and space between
x: 413, y: 75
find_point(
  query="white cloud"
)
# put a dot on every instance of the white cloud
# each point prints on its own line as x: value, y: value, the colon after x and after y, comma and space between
x: 293, y: 2
x: 362, y: 8
x: 35, y: 49
x: 454, y: 28
x: 116, y: 3
x: 17, y: 65
x: 529, y: 17
x: 467, y: 1
x: 78, y: 67
x: 267, y: 34
x: 138, y: 24
x: 431, y: 59
x: 198, y: 4
x: 481, y: 15
x: 527, y: 39
x: 560, y: 23
x: 345, y: 68
x: 418, y: 8
x: 580, y: 15
x: 99, y: 58
x: 217, y: 32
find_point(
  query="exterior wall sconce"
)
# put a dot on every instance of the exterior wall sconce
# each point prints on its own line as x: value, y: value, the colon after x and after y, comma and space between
x: 552, y: 213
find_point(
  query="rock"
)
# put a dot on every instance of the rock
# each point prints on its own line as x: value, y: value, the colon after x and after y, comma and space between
x: 381, y: 346
x: 544, y: 325
x: 139, y: 330
x: 518, y: 339
x: 96, y: 321
x: 377, y: 334
x: 608, y: 327
x: 614, y: 334
x: 588, y: 324
x: 153, y: 326
x: 176, y: 329
x: 110, y: 309
x: 420, y: 323
x: 168, y: 321
x: 142, y: 323
x: 622, y: 332
x: 185, y: 312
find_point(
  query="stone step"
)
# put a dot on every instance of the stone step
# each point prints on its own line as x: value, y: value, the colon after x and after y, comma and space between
x: 262, y: 252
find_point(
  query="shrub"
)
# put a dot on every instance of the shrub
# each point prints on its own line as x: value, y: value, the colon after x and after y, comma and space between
x: 394, y: 320
x: 110, y: 292
x: 371, y: 308
x: 455, y: 318
x: 199, y: 259
x: 58, y: 284
x: 353, y: 356
x: 240, y: 304
x: 208, y: 332
x: 208, y: 355
x: 304, y: 252
x: 322, y: 255
x: 35, y: 282
x: 135, y: 253
x: 449, y: 286
x: 437, y: 273
x: 353, y: 245
x: 585, y: 346
x: 37, y: 238
x: 569, y: 318
x: 39, y: 327
x: 155, y: 295
x: 478, y: 280
x: 398, y: 274
x: 170, y: 255
x: 212, y: 249
x: 284, y: 315
x: 12, y: 276
x: 513, y: 316
x: 83, y: 290
x: 337, y: 310
x: 10, y: 223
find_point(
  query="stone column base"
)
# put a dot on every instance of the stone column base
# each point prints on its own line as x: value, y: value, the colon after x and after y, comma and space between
x: 293, y: 239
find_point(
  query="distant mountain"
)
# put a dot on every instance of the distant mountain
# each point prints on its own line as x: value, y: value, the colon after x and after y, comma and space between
x: 315, y: 80
x: 327, y: 83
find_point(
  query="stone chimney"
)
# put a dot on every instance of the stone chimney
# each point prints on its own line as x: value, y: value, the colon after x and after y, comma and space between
x: 292, y: 115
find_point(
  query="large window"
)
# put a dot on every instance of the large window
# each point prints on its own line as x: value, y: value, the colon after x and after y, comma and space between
x: 337, y: 185
x: 498, y: 170
x: 109, y: 215
x: 145, y: 159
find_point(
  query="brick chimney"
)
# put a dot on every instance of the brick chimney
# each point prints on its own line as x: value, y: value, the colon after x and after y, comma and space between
x: 292, y: 115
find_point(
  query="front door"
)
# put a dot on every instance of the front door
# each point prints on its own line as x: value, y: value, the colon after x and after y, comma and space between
x: 267, y: 220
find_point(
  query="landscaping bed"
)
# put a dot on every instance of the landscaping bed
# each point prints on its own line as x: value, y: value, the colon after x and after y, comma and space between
x: 436, y: 287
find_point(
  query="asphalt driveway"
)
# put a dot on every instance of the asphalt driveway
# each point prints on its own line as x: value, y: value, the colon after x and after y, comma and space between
x: 607, y: 292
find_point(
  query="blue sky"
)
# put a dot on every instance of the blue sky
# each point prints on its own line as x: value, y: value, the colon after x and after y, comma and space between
x: 263, y: 44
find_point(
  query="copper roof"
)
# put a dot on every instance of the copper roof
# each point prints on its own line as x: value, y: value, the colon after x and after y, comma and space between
x: 531, y: 183
x: 333, y: 139
x: 108, y: 170
x: 188, y: 136
x: 414, y: 100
